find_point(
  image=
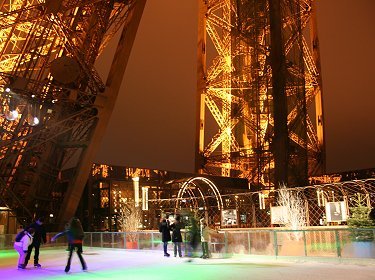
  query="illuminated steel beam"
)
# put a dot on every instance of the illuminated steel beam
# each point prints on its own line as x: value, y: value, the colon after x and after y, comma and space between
x: 236, y: 67
x: 47, y: 55
x: 105, y: 103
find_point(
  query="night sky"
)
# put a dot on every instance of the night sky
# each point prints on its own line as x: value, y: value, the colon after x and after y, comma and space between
x: 153, y: 124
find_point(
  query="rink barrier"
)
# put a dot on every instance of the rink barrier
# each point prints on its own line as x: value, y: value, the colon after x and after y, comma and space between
x: 322, y: 243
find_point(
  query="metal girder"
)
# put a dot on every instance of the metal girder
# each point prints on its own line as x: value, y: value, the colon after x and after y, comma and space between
x: 33, y: 36
x: 240, y: 61
x: 105, y: 103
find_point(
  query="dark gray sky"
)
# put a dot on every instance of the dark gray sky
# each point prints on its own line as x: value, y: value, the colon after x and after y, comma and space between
x: 153, y: 123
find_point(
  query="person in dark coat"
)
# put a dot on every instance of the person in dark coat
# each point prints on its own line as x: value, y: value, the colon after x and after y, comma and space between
x: 176, y: 236
x: 75, y: 238
x: 39, y: 238
x: 165, y: 234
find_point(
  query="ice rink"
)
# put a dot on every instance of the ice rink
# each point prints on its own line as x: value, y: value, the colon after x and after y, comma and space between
x: 134, y: 264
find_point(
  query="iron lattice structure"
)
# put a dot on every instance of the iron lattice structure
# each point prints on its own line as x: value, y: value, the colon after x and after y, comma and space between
x: 47, y: 54
x: 262, y: 82
x: 259, y: 84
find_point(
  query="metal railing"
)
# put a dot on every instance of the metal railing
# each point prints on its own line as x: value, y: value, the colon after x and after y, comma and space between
x: 327, y: 243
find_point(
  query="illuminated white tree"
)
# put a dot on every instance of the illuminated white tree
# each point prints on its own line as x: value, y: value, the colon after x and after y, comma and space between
x: 129, y: 218
x: 294, y: 214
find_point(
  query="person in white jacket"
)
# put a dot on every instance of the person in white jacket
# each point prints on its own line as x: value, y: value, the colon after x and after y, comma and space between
x: 22, y: 246
x: 205, y: 232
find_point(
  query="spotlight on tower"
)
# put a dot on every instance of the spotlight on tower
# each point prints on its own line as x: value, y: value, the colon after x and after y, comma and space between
x: 33, y: 112
x: 11, y: 115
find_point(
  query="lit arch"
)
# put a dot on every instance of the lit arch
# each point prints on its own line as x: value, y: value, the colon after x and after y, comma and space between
x: 185, y: 188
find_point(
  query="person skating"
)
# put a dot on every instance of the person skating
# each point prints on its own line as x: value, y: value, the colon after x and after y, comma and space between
x: 193, y: 238
x: 22, y: 246
x: 39, y: 238
x: 75, y: 238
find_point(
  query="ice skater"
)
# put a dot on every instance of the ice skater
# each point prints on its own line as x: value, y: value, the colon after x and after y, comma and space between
x: 39, y: 238
x: 75, y: 238
x: 193, y: 238
x: 22, y: 246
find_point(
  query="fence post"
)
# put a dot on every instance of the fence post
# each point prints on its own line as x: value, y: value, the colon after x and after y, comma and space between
x: 304, y: 242
x: 91, y: 239
x: 225, y: 243
x: 152, y: 241
x: 249, y: 242
x: 101, y: 240
x: 275, y: 246
x: 338, y: 245
x: 138, y: 233
x: 124, y: 240
x: 186, y: 249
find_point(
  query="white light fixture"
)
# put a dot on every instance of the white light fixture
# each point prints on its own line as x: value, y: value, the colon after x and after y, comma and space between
x: 144, y: 198
x: 136, y: 190
x: 10, y: 105
x: 262, y: 204
x: 11, y: 115
x: 33, y: 112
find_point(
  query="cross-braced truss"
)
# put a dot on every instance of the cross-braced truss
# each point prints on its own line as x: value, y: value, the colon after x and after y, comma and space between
x: 235, y: 87
x: 47, y: 54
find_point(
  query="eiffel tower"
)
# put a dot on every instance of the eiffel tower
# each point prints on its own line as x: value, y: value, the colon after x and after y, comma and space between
x: 258, y: 79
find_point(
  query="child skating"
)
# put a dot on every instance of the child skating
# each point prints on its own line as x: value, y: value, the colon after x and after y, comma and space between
x: 75, y: 238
